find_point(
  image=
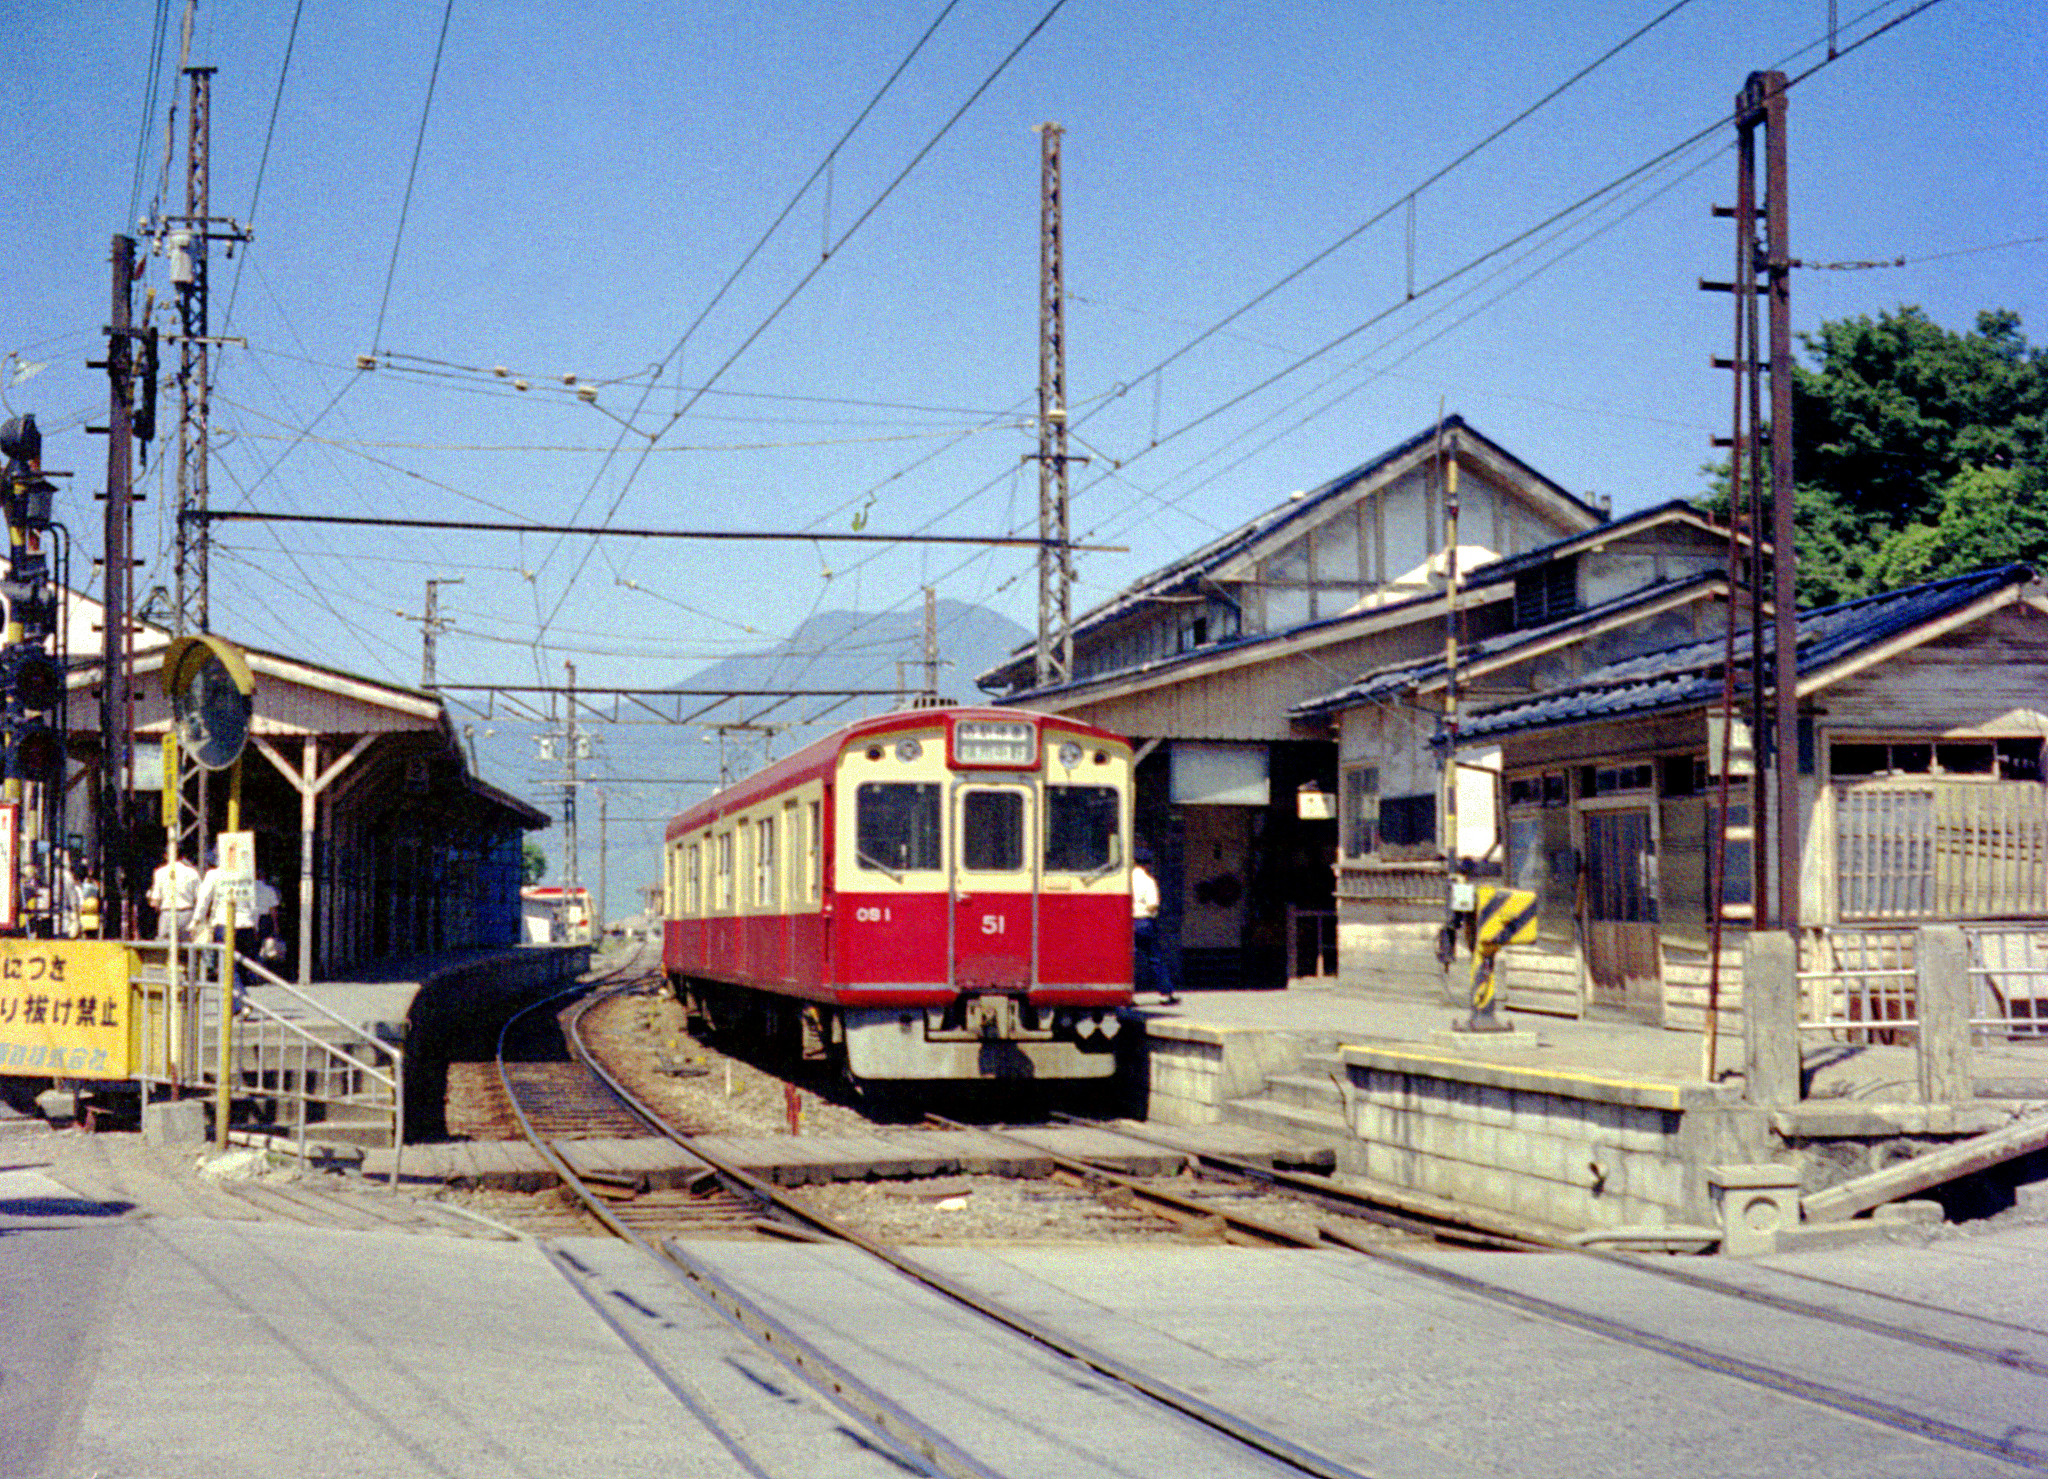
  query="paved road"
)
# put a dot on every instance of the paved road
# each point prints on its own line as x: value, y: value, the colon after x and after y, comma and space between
x: 179, y: 1346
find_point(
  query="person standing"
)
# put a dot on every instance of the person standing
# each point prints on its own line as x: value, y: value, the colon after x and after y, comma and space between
x: 173, y: 889
x: 1147, y: 941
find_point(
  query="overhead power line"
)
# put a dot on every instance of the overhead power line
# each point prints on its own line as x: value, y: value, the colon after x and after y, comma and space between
x: 785, y: 536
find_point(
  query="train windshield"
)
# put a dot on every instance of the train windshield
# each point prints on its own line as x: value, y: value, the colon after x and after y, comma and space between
x: 1080, y: 829
x: 896, y: 826
x: 992, y: 831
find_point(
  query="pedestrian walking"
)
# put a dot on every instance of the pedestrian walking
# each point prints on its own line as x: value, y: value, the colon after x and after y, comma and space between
x: 1148, y: 943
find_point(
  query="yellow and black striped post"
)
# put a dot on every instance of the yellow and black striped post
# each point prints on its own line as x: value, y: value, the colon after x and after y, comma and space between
x: 1500, y: 916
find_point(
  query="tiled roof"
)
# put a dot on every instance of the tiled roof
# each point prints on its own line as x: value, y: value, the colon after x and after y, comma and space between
x: 1681, y: 677
x: 1384, y: 682
x: 1189, y: 570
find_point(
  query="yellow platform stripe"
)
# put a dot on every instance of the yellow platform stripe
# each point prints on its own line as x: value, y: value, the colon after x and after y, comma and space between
x: 1665, y: 1092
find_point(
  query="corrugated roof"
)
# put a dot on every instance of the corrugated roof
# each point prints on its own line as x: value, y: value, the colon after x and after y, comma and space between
x: 1683, y: 676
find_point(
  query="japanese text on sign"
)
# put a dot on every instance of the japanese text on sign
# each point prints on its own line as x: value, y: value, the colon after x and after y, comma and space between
x: 64, y: 1008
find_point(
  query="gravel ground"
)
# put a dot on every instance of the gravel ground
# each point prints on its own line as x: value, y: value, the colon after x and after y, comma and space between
x: 644, y: 1038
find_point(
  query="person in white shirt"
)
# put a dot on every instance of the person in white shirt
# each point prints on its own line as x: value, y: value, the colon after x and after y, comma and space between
x: 172, y: 891
x: 1147, y: 942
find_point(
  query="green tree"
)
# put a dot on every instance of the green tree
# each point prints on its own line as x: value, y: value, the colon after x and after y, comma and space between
x: 533, y: 864
x: 1919, y: 452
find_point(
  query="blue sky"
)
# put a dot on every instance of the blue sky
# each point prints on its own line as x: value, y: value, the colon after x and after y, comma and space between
x: 590, y: 174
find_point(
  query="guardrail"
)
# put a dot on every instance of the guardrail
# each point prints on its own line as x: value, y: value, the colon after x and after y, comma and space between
x: 319, y: 1058
x: 1863, y: 984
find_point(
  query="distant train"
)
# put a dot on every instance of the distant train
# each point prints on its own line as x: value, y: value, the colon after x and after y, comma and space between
x: 934, y: 894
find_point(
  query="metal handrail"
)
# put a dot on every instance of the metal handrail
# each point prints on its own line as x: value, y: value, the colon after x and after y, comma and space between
x: 320, y: 1008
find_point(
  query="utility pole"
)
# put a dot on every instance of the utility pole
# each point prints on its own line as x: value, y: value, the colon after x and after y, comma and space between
x: 1763, y: 270
x: 117, y: 676
x: 1055, y: 653
x: 929, y: 698
x: 185, y: 238
x: 604, y: 858
x: 432, y: 624
x: 571, y: 872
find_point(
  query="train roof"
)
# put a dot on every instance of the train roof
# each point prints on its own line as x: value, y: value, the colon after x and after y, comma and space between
x: 815, y: 758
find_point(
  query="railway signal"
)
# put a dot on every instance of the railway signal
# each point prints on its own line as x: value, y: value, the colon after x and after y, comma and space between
x: 31, y: 681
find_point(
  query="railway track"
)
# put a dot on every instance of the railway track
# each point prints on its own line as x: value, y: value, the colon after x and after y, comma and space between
x: 2006, y: 1357
x: 899, y: 1430
x: 1600, y: 1306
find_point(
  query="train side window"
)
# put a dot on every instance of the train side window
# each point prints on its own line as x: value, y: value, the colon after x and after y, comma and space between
x: 816, y: 838
x: 764, y: 863
x: 896, y: 825
x: 725, y: 872
x: 793, y: 854
x: 1081, y: 825
x: 696, y: 894
x: 992, y: 831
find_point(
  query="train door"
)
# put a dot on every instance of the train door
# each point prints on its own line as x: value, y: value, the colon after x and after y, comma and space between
x: 994, y: 887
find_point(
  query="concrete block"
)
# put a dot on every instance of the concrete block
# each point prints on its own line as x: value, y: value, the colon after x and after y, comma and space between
x: 1757, y: 1203
x: 1815, y: 1237
x: 174, y: 1122
x: 1496, y: 1106
x: 1909, y: 1214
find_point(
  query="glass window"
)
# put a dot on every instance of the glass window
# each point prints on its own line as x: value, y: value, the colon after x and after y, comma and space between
x: 1081, y: 824
x: 896, y: 825
x: 1408, y: 821
x: 696, y: 895
x: 815, y: 836
x: 764, y: 863
x: 1360, y: 810
x: 992, y: 831
x: 725, y: 872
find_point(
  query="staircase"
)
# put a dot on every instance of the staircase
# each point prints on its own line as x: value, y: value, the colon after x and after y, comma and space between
x: 1304, y: 1104
x: 294, y: 1065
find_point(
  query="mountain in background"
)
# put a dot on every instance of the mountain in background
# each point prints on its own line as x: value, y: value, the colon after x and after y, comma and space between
x: 834, y: 649
x: 858, y: 649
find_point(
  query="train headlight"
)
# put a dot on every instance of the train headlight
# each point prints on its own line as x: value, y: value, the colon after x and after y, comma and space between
x: 908, y: 750
x: 1070, y: 754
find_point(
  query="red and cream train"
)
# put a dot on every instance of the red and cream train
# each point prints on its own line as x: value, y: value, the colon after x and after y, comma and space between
x: 934, y: 894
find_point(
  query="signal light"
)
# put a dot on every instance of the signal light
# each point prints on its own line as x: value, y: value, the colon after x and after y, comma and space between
x: 37, y: 681
x: 35, y: 753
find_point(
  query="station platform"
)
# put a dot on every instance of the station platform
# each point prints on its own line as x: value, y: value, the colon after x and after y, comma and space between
x: 1325, y: 1016
x: 382, y: 999
x: 1596, y: 1129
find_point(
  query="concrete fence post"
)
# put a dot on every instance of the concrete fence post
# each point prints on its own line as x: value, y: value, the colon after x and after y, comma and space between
x: 1942, y: 966
x: 1770, y: 1017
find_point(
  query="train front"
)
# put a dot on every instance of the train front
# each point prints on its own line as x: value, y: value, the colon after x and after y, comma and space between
x: 982, y: 896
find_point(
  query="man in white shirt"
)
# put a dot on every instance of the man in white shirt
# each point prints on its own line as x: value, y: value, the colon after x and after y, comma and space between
x: 1147, y: 943
x: 172, y: 891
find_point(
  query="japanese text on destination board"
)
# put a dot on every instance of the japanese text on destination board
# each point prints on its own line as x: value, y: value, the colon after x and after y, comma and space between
x: 64, y: 1008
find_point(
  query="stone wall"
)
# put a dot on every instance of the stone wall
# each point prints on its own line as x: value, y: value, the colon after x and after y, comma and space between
x: 1572, y: 1150
x: 1193, y: 1068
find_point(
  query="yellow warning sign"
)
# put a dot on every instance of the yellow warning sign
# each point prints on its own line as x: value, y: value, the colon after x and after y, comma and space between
x: 1505, y: 916
x: 64, y: 1008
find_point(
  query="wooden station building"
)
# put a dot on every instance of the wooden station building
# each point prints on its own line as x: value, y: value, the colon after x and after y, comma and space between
x: 369, y: 819
x: 1203, y: 662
